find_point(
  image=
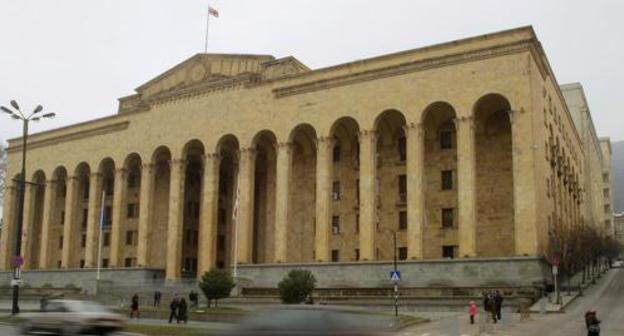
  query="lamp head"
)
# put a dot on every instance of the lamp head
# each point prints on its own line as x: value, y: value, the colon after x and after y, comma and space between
x: 50, y: 115
x: 6, y: 110
x: 38, y: 109
x: 14, y: 104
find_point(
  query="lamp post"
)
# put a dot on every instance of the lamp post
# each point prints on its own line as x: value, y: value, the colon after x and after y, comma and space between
x: 396, y: 268
x: 17, y: 261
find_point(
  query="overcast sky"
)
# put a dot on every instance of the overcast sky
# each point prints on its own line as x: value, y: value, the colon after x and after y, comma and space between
x: 76, y: 57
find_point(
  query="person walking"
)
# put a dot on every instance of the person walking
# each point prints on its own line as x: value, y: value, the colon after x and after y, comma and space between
x: 157, y: 297
x: 472, y: 311
x: 182, y: 311
x: 592, y: 323
x: 134, y: 306
x: 193, y: 298
x: 491, y: 307
x: 498, y: 301
x: 173, y: 308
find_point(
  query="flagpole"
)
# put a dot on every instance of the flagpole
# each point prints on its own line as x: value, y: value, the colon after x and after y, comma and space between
x: 207, y: 26
x: 99, y: 257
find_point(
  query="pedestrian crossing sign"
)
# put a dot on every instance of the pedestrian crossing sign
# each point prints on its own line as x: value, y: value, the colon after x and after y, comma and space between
x: 395, y: 275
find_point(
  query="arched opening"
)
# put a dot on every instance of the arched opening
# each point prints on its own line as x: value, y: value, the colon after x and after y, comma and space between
x: 107, y: 172
x: 55, y: 248
x: 193, y: 154
x: 391, y: 156
x: 160, y: 207
x: 130, y: 219
x: 494, y: 177
x: 440, y: 181
x: 227, y: 149
x: 80, y: 213
x: 302, y: 195
x: 264, y: 197
x: 39, y: 179
x: 345, y: 217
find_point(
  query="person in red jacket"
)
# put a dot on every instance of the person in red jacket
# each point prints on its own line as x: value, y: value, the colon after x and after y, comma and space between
x: 472, y: 311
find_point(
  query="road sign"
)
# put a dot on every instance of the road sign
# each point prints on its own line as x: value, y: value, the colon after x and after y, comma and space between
x: 395, y: 275
x: 555, y: 260
x: 17, y: 261
x: 555, y: 270
x: 17, y: 282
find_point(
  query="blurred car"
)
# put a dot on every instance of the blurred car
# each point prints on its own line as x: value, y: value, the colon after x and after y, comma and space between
x: 618, y: 263
x: 72, y: 317
x: 313, y: 321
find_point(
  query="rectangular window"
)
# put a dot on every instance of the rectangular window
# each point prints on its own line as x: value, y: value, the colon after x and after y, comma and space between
x: 131, y: 238
x: 335, y: 225
x: 109, y: 187
x: 447, y: 218
x: 605, y: 193
x: 108, y: 215
x: 402, y: 253
x: 336, y: 153
x: 336, y: 190
x: 133, y: 179
x: 59, y: 264
x: 85, y: 218
x: 128, y: 262
x: 82, y: 263
x: 357, y: 254
x: 402, y: 147
x: 106, y: 239
x: 133, y: 210
x: 105, y: 262
x: 605, y: 177
x: 83, y: 241
x: 62, y: 217
x: 402, y: 189
x: 357, y: 191
x: 446, y: 139
x: 402, y: 220
x: 357, y: 223
x: 335, y: 255
x: 60, y: 242
x: 447, y: 180
x: 448, y: 251
x: 85, y: 191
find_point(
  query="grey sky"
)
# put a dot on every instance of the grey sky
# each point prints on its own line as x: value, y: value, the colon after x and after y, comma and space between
x: 76, y: 57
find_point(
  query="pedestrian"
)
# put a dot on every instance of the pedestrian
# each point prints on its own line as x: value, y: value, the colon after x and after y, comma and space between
x: 157, y: 297
x: 134, y: 306
x: 592, y: 323
x: 173, y: 308
x: 472, y: 311
x: 491, y: 307
x: 498, y: 300
x: 182, y: 311
x: 193, y: 298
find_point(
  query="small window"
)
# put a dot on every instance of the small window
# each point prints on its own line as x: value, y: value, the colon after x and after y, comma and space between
x: 133, y: 210
x: 336, y: 153
x: 106, y: 239
x: 402, y: 188
x: 357, y: 254
x: 105, y: 262
x: 357, y: 191
x: 62, y: 217
x: 133, y: 180
x: 128, y: 262
x: 85, y: 218
x: 357, y: 223
x: 402, y: 147
x: 85, y: 191
x: 60, y: 245
x: 446, y: 139
x: 59, y: 264
x: 448, y: 251
x: 402, y: 253
x: 336, y: 190
x: 335, y: 225
x: 447, y: 218
x: 83, y: 241
x: 447, y: 180
x: 82, y: 263
x: 108, y: 215
x: 402, y: 220
x: 131, y: 238
x: 109, y: 187
x: 335, y: 255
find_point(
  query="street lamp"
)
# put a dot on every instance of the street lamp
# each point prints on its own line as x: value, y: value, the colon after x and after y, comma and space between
x: 396, y: 283
x: 17, y: 260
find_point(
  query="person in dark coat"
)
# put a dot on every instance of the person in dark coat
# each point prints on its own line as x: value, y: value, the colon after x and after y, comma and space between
x: 157, y: 297
x: 134, y: 306
x: 498, y: 300
x: 592, y: 323
x: 173, y: 308
x: 182, y: 311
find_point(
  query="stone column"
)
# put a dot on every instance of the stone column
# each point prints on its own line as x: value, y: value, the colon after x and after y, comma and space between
x: 368, y: 194
x: 414, y: 134
x: 324, y: 150
x: 145, y: 213
x: 207, y: 245
x: 244, y: 227
x: 27, y: 228
x: 119, y: 212
x: 6, y: 243
x: 69, y: 227
x: 466, y: 187
x: 49, y: 203
x: 282, y: 195
x: 94, y: 214
x: 176, y: 218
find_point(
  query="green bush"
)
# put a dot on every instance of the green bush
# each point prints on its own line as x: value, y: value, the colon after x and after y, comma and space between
x: 296, y: 286
x: 216, y: 284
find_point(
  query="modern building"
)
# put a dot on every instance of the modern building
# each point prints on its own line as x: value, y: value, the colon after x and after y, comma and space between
x: 618, y: 224
x: 465, y: 150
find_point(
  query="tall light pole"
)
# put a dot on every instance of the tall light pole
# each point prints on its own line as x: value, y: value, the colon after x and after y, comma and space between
x: 17, y: 261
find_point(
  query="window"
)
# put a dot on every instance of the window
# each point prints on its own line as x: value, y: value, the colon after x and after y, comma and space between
x: 85, y: 191
x: 447, y: 217
x: 108, y: 215
x: 336, y: 154
x: 605, y: 177
x: 446, y: 139
x: 106, y: 239
x: 62, y: 217
x: 357, y: 223
x: 105, y: 262
x: 357, y: 254
x: 133, y: 210
x: 60, y: 242
x: 336, y: 190
x: 59, y: 264
x: 607, y: 208
x: 109, y: 187
x: 82, y: 263
x: 85, y: 218
x: 402, y: 147
x: 335, y: 255
x: 402, y: 188
x: 129, y: 262
x: 133, y: 179
x: 357, y: 191
x: 131, y: 238
x: 605, y: 193
x: 448, y: 251
x: 402, y: 220
x: 335, y: 225
x: 402, y: 253
x: 447, y: 179
x: 83, y: 241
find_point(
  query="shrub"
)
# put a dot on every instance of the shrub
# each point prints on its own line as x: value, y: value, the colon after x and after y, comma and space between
x: 296, y: 286
x: 216, y: 284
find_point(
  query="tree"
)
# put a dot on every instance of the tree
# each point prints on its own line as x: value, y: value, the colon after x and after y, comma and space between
x: 216, y: 284
x: 296, y: 286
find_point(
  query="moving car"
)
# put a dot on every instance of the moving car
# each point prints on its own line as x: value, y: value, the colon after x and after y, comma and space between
x: 72, y: 317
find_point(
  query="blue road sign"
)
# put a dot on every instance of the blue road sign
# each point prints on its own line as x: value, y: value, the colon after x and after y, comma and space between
x: 395, y: 275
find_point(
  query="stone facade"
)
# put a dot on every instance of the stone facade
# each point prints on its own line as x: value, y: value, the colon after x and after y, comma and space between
x: 462, y: 150
x: 618, y: 224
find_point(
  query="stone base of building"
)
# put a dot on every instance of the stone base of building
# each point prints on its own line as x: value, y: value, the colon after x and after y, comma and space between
x: 474, y: 272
